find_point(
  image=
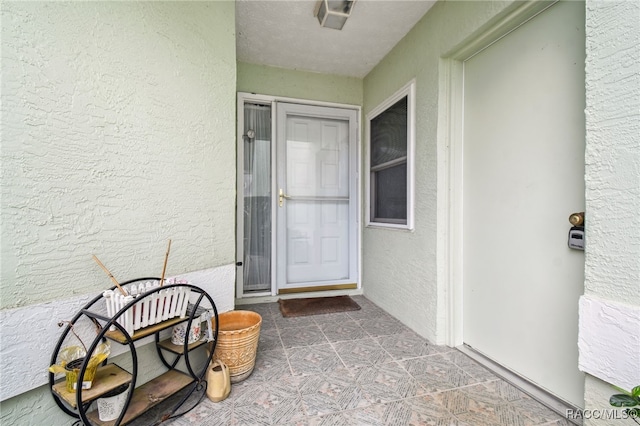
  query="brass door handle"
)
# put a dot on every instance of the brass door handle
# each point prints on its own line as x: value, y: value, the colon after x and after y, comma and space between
x: 577, y: 219
x: 281, y: 197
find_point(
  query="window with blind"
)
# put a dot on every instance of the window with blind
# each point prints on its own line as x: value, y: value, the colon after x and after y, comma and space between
x: 390, y: 165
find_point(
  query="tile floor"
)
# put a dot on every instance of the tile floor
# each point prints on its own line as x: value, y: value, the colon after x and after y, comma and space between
x: 363, y: 368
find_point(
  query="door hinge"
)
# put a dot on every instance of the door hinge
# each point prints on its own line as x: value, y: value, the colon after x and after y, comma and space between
x: 238, y: 263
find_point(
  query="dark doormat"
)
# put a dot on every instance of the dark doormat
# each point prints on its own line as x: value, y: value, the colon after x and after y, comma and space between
x: 317, y: 306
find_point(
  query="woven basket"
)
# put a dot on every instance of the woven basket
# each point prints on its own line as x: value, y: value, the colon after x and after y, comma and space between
x: 238, y: 342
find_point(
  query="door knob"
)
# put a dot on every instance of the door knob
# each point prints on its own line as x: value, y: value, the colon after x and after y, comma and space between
x: 576, y: 233
x: 281, y: 197
x: 577, y: 219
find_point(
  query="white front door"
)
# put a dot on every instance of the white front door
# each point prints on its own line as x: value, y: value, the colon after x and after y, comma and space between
x: 523, y: 166
x: 317, y: 197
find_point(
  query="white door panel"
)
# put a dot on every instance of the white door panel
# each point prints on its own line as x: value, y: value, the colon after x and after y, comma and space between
x: 523, y: 167
x: 318, y: 245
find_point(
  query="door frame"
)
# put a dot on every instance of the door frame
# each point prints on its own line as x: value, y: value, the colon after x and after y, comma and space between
x: 450, y: 160
x: 243, y: 97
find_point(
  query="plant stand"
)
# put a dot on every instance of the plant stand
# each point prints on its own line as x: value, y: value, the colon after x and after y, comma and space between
x: 79, y: 404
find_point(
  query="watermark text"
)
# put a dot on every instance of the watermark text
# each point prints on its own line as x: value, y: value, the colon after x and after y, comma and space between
x: 604, y: 414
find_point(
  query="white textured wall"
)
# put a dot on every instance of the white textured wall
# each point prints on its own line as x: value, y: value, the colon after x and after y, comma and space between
x: 609, y: 341
x: 613, y: 150
x: 399, y: 267
x: 612, y: 266
x: 117, y: 135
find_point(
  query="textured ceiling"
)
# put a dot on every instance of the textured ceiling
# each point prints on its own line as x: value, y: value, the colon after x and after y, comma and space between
x: 286, y: 34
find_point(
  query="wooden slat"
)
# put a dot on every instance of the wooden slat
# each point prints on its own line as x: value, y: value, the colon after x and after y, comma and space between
x: 107, y: 378
x: 117, y: 335
x: 179, y: 349
x: 148, y: 395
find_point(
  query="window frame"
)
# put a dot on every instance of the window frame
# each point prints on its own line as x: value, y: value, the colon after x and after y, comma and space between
x: 407, y: 91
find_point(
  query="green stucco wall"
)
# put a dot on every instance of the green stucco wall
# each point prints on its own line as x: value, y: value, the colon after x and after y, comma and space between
x: 399, y: 267
x: 118, y: 133
x: 273, y: 81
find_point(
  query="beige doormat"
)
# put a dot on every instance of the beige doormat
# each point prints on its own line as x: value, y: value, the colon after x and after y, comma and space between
x: 317, y: 306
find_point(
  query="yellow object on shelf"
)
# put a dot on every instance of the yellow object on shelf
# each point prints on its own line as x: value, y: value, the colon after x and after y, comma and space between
x: 71, y: 360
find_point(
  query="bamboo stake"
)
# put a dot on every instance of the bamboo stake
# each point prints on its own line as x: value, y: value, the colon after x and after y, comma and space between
x: 164, y: 267
x: 104, y: 268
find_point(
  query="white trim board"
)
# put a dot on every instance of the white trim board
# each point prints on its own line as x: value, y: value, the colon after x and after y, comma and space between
x: 29, y: 334
x: 246, y: 96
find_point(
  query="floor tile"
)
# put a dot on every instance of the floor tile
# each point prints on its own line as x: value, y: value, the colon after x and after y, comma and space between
x: 278, y: 403
x: 264, y: 309
x: 205, y: 412
x: 407, y: 345
x: 332, y: 318
x: 302, y: 336
x: 561, y: 421
x: 382, y: 325
x: 271, y: 365
x: 423, y: 410
x: 536, y: 413
x: 269, y: 340
x: 361, y: 368
x: 470, y: 367
x: 367, y: 312
x: 387, y: 382
x: 268, y: 323
x: 282, y: 322
x: 341, y: 331
x: 497, y: 390
x: 325, y: 394
x: 371, y: 415
x: 435, y: 373
x: 340, y: 419
x: 313, y: 359
x: 494, y: 403
x: 251, y: 415
x: 361, y: 353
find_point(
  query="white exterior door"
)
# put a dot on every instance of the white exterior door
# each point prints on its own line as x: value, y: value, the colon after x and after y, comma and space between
x: 523, y: 166
x: 317, y: 203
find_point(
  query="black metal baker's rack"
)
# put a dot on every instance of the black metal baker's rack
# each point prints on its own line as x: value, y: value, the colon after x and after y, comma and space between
x: 139, y: 400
